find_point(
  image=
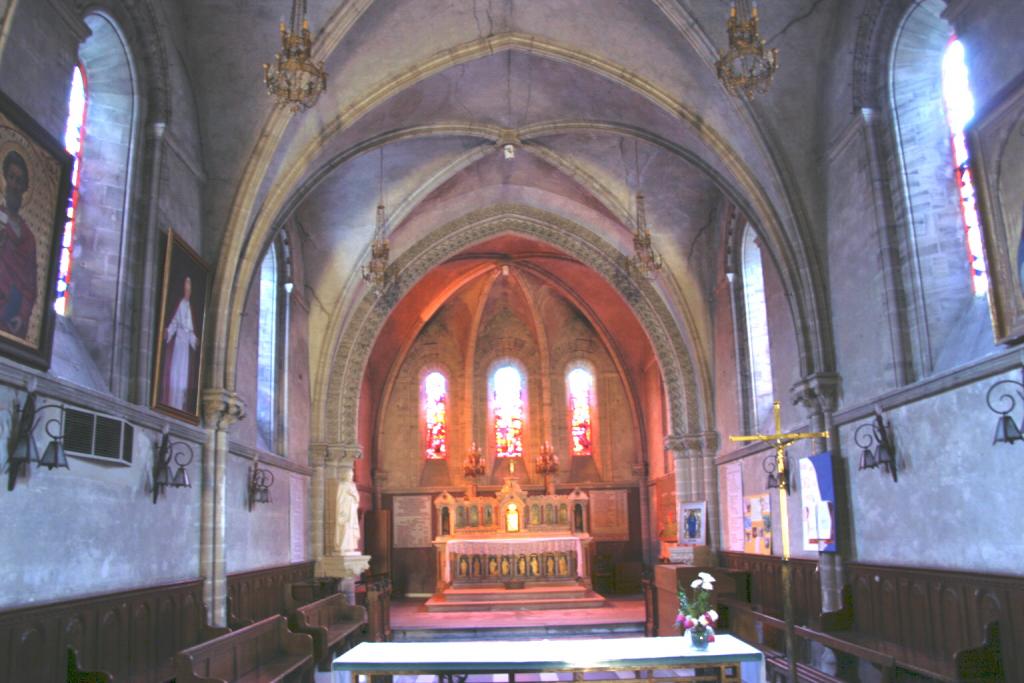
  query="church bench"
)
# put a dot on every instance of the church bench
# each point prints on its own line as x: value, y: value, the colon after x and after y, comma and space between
x: 265, y: 651
x: 333, y: 624
x: 740, y: 617
x: 777, y: 670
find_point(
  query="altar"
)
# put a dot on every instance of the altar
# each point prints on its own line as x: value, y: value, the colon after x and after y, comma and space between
x: 513, y: 551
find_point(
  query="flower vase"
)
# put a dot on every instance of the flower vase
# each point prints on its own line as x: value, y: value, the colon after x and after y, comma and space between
x: 699, y: 637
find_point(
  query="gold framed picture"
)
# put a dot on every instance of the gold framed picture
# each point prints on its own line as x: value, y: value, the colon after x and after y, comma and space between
x: 179, y: 346
x: 36, y: 175
x: 996, y: 142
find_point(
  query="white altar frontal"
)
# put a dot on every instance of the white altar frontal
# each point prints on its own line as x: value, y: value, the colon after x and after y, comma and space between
x: 513, y: 551
x: 668, y: 660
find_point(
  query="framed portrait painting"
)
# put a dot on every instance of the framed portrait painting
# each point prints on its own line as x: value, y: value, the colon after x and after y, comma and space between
x: 692, y: 523
x: 996, y: 142
x: 179, y: 346
x: 36, y: 175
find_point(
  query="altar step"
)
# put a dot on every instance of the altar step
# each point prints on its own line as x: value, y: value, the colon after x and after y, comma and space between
x: 472, y: 631
x: 619, y: 617
x: 486, y: 598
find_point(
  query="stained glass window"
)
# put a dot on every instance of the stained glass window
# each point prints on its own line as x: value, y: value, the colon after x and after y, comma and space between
x: 756, y: 308
x: 581, y: 400
x: 956, y: 93
x: 435, y: 397
x: 266, y: 349
x: 74, y: 135
x: 508, y: 411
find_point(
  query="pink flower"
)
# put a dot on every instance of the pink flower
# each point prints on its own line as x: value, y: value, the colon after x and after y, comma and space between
x: 711, y: 638
x: 679, y: 619
x: 688, y: 622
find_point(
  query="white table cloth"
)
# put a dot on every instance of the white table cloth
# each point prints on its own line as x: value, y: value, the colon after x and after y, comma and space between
x: 533, y: 656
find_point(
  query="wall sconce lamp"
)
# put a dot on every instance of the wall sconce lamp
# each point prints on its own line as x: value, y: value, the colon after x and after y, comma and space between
x: 181, y: 454
x: 22, y: 448
x: 776, y: 480
x: 877, y: 444
x: 260, y: 481
x: 1007, y: 430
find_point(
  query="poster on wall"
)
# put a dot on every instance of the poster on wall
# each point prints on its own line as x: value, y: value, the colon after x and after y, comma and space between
x: 996, y: 142
x: 733, y: 506
x: 36, y: 174
x: 757, y: 524
x: 411, y: 526
x: 609, y: 515
x: 692, y: 521
x: 818, y: 503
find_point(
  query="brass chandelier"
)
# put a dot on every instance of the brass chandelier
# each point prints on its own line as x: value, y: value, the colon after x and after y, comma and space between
x: 294, y: 78
x: 376, y: 272
x: 646, y: 260
x: 747, y: 67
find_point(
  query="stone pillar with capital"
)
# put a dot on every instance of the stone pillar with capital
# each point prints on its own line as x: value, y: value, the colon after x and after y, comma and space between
x: 696, y: 476
x: 221, y: 409
x: 818, y: 394
x: 317, y: 461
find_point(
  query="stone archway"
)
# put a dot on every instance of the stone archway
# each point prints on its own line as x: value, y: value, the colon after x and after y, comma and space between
x: 689, y: 410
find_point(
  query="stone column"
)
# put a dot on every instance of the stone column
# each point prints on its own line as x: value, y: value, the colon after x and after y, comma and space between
x: 696, y: 478
x: 221, y: 409
x: 318, y: 461
x: 818, y: 393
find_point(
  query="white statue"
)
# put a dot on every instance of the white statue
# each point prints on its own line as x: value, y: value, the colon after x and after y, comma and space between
x: 346, y: 526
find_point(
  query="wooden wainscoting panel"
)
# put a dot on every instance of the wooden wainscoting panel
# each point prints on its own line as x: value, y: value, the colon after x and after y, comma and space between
x: 925, y: 616
x: 132, y: 635
x: 766, y: 583
x: 260, y: 593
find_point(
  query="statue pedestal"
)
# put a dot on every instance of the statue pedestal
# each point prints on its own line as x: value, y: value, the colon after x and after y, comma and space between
x: 347, y: 566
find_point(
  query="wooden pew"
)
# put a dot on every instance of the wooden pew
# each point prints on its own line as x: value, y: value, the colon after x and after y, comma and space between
x: 334, y: 625
x: 741, y: 617
x: 265, y: 651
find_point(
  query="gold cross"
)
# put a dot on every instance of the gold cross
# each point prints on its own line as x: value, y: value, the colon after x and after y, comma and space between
x: 782, y: 440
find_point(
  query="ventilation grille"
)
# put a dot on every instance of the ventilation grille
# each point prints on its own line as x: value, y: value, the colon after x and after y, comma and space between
x: 99, y: 436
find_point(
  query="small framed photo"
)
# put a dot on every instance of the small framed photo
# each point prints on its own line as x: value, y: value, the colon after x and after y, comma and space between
x: 179, y: 346
x: 996, y: 143
x: 36, y: 175
x: 692, y: 523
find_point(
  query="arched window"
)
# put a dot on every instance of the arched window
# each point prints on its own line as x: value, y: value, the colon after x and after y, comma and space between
x: 508, y: 411
x: 434, y: 395
x: 943, y: 279
x: 956, y: 95
x: 755, y: 308
x: 74, y: 136
x: 581, y: 395
x: 266, y: 349
x: 98, y: 259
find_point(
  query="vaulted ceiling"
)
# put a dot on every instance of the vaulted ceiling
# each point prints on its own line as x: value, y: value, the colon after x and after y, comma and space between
x: 603, y: 98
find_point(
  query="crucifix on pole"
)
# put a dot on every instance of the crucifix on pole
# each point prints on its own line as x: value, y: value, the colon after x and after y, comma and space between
x: 782, y: 440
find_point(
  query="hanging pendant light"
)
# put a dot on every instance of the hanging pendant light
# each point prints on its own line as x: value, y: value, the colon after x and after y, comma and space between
x: 376, y: 271
x: 645, y: 260
x: 294, y: 78
x: 747, y: 67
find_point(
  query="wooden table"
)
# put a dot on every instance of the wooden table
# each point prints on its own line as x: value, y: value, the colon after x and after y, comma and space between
x: 454, y: 661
